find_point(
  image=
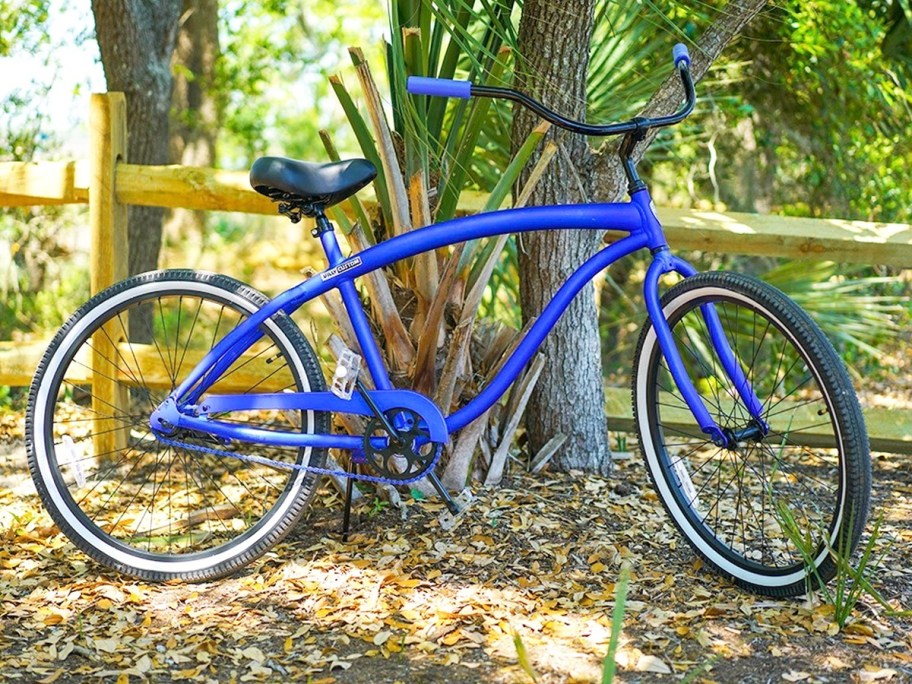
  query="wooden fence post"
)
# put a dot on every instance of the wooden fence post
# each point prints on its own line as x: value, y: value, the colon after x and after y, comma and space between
x: 108, y: 219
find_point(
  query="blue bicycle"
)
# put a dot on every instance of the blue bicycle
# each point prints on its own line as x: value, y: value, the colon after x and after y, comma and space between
x: 180, y: 421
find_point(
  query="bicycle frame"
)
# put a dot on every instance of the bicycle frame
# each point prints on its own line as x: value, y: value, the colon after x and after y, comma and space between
x: 636, y: 218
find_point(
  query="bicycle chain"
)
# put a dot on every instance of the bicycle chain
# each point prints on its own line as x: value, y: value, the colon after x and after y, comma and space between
x: 292, y: 466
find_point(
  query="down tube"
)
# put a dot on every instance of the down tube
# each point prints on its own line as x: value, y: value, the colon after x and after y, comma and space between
x: 540, y: 329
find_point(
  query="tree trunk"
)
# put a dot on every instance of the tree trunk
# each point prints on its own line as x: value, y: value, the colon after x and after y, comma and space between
x: 196, y: 112
x: 136, y: 39
x: 569, y: 397
x: 553, y: 44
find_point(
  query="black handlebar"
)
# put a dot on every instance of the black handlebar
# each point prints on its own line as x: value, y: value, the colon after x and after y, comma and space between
x: 639, y: 125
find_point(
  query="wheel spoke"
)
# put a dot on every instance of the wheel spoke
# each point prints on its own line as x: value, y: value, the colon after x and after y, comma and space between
x: 163, y: 504
x: 726, y: 499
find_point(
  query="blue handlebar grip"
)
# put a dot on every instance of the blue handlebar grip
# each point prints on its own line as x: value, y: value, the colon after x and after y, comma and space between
x: 439, y: 87
x: 681, y: 55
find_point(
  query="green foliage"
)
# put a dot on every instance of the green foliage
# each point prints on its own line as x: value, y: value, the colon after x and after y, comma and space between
x: 813, y: 119
x: 25, y: 131
x: 857, y: 310
x: 452, y: 39
x: 808, y: 114
x: 21, y: 24
x: 630, y: 52
x: 272, y: 73
x: 42, y: 279
x: 851, y: 104
x: 377, y: 506
x: 43, y: 268
x: 30, y: 39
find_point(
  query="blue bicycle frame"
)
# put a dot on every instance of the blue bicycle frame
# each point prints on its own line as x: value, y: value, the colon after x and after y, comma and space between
x: 188, y: 408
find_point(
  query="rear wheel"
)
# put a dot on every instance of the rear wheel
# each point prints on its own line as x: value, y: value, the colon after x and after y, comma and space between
x: 132, y: 502
x: 769, y: 511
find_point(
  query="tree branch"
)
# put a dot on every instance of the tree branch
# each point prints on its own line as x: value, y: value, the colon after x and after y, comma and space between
x: 606, y: 177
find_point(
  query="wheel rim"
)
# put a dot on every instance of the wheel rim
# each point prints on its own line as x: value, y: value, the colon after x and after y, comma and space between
x: 738, y: 500
x: 156, y: 507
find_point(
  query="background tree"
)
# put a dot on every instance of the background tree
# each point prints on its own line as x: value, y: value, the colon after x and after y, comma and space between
x: 136, y: 39
x: 195, y: 105
x: 553, y: 63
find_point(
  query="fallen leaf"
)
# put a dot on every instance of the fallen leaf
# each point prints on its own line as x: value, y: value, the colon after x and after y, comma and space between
x: 144, y: 664
x: 875, y: 674
x: 650, y: 663
x: 53, y: 677
x: 105, y: 645
x: 253, y: 653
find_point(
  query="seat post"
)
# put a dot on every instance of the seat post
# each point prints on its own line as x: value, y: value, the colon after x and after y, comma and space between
x: 322, y: 223
x: 323, y: 230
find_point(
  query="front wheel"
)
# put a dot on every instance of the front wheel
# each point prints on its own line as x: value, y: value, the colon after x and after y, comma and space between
x: 772, y: 510
x: 139, y: 505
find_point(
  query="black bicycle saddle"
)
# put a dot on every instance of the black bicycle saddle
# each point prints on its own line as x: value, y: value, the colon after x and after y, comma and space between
x: 317, y: 184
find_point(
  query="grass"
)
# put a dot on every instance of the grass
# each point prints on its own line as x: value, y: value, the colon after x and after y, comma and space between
x: 523, y: 656
x: 853, y: 579
x: 617, y: 622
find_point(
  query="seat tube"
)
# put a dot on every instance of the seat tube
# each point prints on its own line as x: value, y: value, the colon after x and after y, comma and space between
x: 355, y: 309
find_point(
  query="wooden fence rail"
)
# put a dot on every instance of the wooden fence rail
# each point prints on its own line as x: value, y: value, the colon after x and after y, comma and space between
x: 107, y: 183
x: 863, y: 242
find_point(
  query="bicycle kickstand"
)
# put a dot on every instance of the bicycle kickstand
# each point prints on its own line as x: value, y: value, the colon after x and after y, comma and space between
x: 455, y: 507
x: 346, y: 514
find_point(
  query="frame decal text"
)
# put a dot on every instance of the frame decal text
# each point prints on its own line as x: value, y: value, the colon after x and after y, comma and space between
x: 341, y: 268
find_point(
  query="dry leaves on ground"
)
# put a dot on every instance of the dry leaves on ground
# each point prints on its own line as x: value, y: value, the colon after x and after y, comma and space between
x: 405, y: 601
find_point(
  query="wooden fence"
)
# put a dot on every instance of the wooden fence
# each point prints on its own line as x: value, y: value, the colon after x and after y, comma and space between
x: 108, y: 183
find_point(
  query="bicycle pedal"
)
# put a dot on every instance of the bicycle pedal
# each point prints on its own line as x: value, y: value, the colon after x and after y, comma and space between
x: 346, y: 374
x: 463, y: 500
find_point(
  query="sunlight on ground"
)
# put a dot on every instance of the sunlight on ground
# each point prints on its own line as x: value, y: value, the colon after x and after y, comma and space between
x: 403, y: 599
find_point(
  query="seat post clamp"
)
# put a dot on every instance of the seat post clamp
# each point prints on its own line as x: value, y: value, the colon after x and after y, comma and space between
x: 322, y: 224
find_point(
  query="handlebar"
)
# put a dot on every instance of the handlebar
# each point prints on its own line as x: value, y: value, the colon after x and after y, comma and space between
x: 444, y: 87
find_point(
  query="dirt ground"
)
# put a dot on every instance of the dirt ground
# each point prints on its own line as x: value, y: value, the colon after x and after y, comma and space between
x: 530, y: 570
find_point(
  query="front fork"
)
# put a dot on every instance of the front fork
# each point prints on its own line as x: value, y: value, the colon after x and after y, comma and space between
x: 664, y: 262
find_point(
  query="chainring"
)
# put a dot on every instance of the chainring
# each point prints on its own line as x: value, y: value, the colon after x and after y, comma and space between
x: 404, y: 458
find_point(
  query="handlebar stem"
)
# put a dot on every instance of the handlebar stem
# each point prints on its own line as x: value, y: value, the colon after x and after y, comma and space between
x: 634, y: 182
